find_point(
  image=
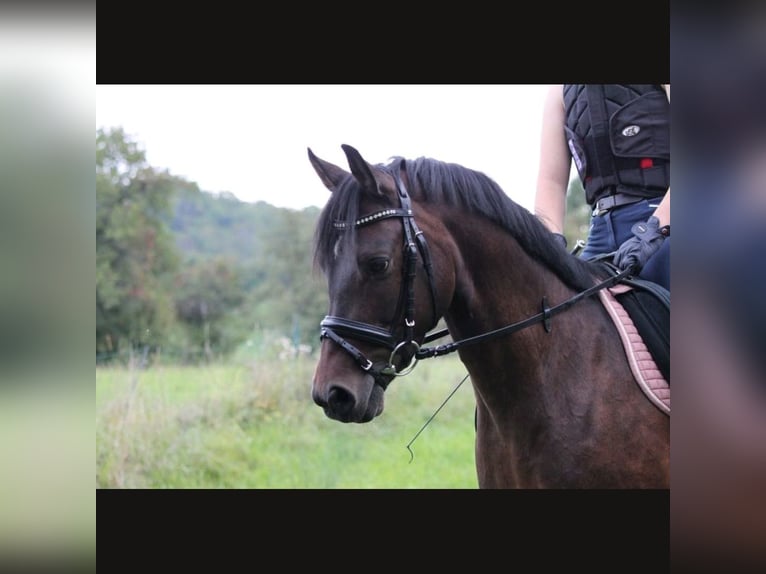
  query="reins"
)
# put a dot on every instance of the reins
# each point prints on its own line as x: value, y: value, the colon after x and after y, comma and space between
x: 544, y: 316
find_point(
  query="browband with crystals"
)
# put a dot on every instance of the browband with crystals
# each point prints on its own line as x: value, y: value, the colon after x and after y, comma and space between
x: 378, y: 215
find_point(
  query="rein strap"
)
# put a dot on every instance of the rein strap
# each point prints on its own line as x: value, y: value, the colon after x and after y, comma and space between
x: 544, y: 316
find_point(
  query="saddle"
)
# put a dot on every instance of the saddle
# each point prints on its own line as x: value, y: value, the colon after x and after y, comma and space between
x: 641, y: 312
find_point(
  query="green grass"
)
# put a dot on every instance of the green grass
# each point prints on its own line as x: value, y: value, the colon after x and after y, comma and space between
x: 254, y: 425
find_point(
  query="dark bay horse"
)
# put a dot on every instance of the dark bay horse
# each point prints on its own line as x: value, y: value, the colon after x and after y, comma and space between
x: 409, y: 242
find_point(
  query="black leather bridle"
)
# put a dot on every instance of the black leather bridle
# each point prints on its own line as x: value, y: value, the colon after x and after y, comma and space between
x: 336, y: 328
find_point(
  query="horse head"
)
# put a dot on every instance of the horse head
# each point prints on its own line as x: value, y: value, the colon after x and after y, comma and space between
x: 381, y: 291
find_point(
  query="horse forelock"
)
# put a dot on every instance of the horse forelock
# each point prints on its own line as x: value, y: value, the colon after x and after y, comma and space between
x: 342, y: 205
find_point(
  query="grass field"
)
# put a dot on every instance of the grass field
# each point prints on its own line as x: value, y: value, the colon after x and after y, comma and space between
x: 253, y: 425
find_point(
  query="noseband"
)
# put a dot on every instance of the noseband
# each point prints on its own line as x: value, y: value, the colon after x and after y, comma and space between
x: 336, y: 328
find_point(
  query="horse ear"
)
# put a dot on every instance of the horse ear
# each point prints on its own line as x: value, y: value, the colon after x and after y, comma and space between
x: 373, y: 181
x: 330, y: 174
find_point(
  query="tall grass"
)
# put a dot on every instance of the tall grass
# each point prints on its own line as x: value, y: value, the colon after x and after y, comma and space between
x: 253, y: 425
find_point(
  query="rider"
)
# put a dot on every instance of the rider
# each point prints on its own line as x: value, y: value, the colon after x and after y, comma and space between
x: 619, y: 139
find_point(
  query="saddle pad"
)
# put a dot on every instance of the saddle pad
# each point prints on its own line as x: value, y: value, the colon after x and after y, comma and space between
x: 645, y: 371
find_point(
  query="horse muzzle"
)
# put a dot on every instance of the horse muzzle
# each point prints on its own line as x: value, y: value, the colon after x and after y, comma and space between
x: 352, y: 401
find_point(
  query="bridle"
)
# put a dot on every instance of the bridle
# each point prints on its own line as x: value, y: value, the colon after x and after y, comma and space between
x: 336, y: 328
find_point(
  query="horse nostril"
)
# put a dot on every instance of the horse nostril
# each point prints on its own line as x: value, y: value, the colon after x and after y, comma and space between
x: 340, y: 401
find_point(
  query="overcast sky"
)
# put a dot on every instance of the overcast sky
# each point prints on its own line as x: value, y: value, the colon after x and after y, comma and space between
x: 251, y: 140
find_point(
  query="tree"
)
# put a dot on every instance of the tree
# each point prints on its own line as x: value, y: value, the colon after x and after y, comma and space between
x: 291, y: 298
x: 135, y: 255
x: 208, y: 297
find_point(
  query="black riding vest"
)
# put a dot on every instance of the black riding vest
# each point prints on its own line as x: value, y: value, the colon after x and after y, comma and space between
x: 619, y: 137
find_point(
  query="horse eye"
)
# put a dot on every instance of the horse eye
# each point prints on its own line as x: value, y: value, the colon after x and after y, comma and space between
x: 377, y: 266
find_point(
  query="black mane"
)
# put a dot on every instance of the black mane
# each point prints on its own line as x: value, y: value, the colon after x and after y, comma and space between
x: 451, y: 184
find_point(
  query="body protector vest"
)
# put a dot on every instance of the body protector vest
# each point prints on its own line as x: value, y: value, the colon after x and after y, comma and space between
x: 619, y: 138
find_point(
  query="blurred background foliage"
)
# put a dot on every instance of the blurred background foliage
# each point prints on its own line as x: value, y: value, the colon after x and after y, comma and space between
x: 189, y: 275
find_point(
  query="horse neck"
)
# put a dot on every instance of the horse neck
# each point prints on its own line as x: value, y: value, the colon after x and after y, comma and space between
x: 497, y: 284
x: 496, y: 281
